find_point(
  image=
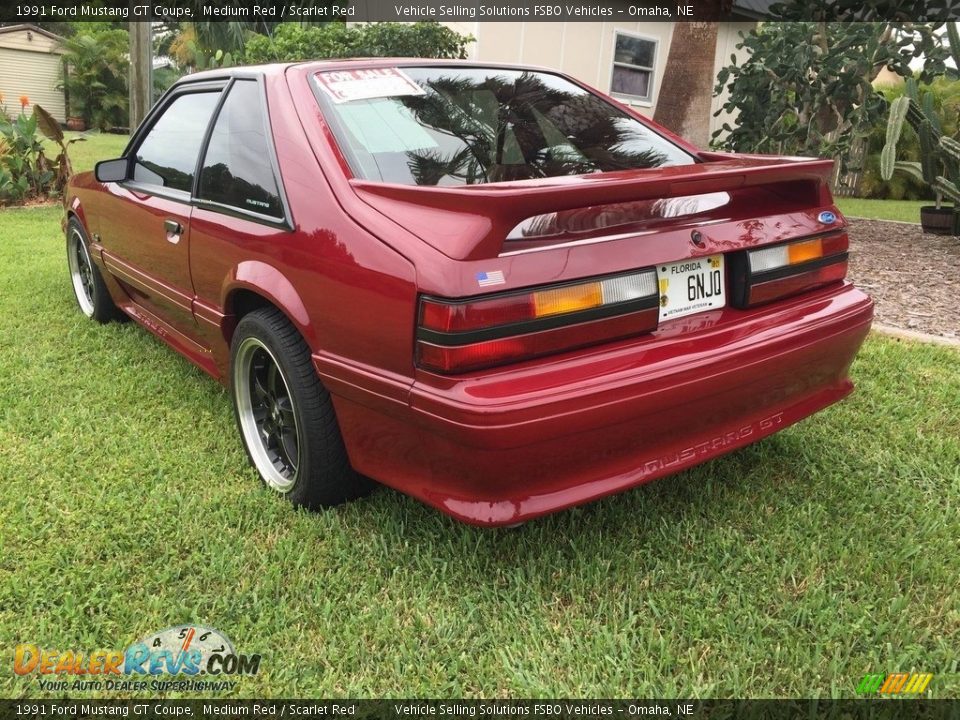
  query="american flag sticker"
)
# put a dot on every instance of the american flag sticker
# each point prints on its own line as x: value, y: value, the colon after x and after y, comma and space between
x: 494, y: 277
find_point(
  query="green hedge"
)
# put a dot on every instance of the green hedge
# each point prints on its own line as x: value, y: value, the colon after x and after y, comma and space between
x: 291, y: 42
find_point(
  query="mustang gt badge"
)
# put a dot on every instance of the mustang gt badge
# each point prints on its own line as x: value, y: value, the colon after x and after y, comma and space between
x: 827, y: 217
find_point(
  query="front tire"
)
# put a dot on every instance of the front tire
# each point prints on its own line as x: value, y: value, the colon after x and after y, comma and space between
x: 285, y: 415
x: 89, y: 289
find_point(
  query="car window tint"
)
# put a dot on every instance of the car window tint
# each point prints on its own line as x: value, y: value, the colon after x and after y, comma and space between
x: 480, y: 125
x: 167, y: 157
x: 237, y: 169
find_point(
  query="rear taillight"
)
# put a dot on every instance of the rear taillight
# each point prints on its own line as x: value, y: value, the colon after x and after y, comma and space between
x: 776, y: 271
x: 456, y: 336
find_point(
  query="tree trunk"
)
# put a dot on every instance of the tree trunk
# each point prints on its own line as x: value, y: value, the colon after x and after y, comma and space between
x: 141, y: 72
x: 686, y: 91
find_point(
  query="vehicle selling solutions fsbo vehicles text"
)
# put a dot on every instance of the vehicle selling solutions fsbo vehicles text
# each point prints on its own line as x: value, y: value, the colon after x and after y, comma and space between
x: 564, y: 11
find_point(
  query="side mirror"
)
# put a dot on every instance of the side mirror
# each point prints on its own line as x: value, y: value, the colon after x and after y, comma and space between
x: 111, y: 170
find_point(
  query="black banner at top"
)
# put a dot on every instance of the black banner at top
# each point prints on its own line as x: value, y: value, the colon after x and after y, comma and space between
x: 33, y: 11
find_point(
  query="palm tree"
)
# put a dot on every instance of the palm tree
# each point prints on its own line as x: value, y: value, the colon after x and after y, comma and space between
x: 229, y: 36
x: 95, y: 77
x: 518, y: 128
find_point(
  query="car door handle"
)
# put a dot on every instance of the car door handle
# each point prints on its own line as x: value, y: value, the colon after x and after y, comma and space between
x: 172, y: 227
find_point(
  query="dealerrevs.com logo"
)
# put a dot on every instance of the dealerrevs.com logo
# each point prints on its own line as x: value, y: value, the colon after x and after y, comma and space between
x: 168, y: 660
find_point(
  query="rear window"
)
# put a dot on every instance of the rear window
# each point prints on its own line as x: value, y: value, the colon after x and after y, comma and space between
x: 465, y: 126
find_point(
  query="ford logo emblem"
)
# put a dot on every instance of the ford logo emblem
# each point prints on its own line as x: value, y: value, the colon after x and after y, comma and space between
x: 827, y: 217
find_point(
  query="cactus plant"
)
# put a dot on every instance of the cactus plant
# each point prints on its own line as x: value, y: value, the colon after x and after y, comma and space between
x: 939, y: 165
x: 219, y: 59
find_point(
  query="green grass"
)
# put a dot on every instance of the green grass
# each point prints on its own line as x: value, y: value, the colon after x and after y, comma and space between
x: 95, y: 147
x: 902, y: 210
x: 790, y: 568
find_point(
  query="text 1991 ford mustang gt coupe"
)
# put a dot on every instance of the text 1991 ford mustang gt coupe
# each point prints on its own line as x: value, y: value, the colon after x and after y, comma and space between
x: 491, y: 288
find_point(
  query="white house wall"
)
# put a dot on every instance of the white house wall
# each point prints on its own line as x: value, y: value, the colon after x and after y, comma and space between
x: 28, y: 40
x: 728, y: 37
x: 30, y: 65
x: 585, y: 50
x: 32, y: 74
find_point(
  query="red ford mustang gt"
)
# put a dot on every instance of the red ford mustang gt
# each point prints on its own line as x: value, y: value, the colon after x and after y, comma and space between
x: 492, y: 288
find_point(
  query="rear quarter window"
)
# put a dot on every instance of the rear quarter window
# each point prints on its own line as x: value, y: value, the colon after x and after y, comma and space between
x: 237, y: 171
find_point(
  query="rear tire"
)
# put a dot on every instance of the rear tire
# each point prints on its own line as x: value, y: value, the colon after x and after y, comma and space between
x: 285, y: 415
x: 89, y: 289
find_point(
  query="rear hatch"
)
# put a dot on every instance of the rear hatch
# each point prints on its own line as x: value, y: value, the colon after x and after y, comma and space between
x: 551, y: 218
x: 545, y: 266
x: 723, y: 191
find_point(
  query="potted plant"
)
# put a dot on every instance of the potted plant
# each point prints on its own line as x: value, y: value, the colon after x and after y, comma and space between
x: 939, y: 164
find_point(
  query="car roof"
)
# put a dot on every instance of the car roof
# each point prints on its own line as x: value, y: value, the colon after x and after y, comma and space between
x: 272, y: 69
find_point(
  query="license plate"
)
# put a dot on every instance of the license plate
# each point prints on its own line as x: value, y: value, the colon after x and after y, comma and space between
x: 691, y: 286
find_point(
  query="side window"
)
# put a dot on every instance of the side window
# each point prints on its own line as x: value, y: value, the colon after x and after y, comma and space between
x: 633, y: 66
x: 167, y: 157
x: 237, y: 170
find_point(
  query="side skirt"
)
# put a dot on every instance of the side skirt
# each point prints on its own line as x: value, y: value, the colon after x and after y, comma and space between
x: 193, y: 351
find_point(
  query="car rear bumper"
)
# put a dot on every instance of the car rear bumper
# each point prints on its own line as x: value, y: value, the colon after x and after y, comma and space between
x: 504, y: 446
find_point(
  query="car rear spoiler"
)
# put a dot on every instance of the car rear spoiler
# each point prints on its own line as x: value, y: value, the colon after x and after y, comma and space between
x: 471, y: 222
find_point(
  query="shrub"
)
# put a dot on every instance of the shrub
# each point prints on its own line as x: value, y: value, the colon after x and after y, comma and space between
x: 804, y: 88
x: 60, y: 167
x: 291, y: 42
x: 95, y: 77
x: 163, y: 78
x: 191, y: 54
x: 421, y: 40
x: 25, y: 171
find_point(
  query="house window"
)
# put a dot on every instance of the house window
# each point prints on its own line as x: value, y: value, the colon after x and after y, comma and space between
x: 633, y: 59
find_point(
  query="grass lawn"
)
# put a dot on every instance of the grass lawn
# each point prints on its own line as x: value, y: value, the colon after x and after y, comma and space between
x: 902, y: 210
x: 790, y: 568
x: 97, y: 146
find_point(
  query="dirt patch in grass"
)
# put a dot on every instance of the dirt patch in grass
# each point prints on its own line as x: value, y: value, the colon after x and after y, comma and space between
x: 912, y: 276
x: 32, y: 203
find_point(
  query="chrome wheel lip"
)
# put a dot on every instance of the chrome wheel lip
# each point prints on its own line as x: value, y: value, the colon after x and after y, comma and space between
x: 81, y: 272
x: 249, y: 425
